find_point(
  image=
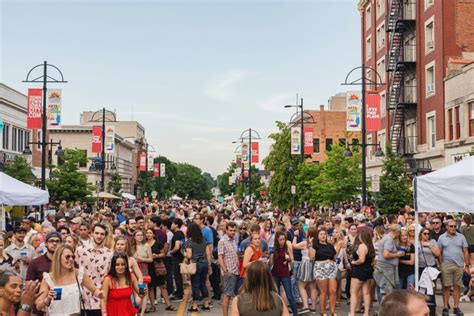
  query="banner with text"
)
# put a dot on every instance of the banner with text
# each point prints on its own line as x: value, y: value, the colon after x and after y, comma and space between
x: 245, y: 152
x: 354, y: 112
x: 110, y: 139
x: 372, y: 101
x: 295, y: 141
x: 150, y: 161
x: 308, y: 140
x: 156, y: 170
x: 96, y: 139
x: 238, y: 159
x: 142, y: 161
x: 35, y: 109
x: 162, y: 170
x: 255, y: 156
x: 53, y: 116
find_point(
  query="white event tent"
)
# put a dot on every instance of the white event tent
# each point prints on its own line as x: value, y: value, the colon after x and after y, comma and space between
x: 15, y: 192
x: 447, y: 190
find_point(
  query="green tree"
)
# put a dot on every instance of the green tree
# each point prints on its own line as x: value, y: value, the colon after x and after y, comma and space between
x: 164, y: 186
x: 283, y: 166
x: 190, y: 182
x: 395, y: 190
x: 242, y: 189
x: 306, y: 174
x: 115, y: 184
x: 339, y: 177
x: 20, y: 169
x: 68, y: 183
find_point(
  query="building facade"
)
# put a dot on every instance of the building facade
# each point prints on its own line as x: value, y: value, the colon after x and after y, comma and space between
x: 408, y: 43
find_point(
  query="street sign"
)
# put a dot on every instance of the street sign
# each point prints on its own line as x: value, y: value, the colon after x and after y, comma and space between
x: 293, y: 189
x: 375, y: 183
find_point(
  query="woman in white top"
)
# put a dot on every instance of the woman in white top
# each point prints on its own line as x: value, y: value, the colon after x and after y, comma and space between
x: 60, y: 293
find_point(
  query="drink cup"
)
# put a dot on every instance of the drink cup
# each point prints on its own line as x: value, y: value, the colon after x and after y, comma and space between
x: 58, y: 292
x: 141, y: 289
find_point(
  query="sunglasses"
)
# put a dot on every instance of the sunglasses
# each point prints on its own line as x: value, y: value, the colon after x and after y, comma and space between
x: 54, y: 241
x: 451, y: 225
x: 436, y: 222
x: 69, y: 257
x: 426, y: 233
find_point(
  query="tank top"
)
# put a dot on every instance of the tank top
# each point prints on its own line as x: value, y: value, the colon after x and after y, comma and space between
x: 280, y: 264
x: 244, y: 305
x: 367, y: 265
x: 70, y: 296
x: 257, y: 254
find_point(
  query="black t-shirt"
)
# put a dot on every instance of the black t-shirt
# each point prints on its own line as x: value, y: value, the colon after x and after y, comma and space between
x: 405, y: 270
x: 324, y: 252
x: 178, y: 235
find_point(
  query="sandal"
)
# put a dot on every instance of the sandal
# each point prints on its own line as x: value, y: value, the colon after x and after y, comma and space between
x: 193, y: 310
x: 360, y: 311
x: 170, y: 308
x: 150, y: 309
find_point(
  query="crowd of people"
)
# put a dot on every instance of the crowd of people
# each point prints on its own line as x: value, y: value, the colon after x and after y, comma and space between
x: 125, y: 258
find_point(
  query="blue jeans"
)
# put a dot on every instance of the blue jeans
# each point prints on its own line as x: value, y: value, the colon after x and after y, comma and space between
x: 198, y: 281
x: 286, y: 282
x: 409, y: 281
x: 294, y: 281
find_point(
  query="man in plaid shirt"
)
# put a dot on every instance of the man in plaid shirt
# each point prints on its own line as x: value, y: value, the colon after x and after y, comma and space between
x: 229, y: 263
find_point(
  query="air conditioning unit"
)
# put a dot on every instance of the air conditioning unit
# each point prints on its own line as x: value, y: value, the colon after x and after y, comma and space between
x: 431, y: 88
x: 430, y: 44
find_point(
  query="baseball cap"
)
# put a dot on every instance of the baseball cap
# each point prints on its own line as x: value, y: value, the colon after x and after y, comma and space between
x: 359, y: 217
x: 294, y: 221
x: 238, y: 213
x: 53, y: 234
x: 76, y: 220
x: 302, y: 219
x: 19, y: 229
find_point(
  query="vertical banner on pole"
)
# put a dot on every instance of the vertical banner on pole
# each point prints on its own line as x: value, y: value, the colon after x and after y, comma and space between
x: 354, y: 112
x: 372, y: 99
x: 255, y: 156
x: 110, y: 139
x: 35, y: 109
x: 238, y: 159
x: 245, y: 152
x: 142, y: 161
x: 1, y: 132
x: 96, y: 139
x: 308, y: 140
x: 156, y: 170
x: 150, y: 162
x: 295, y: 141
x: 53, y: 116
x: 162, y: 170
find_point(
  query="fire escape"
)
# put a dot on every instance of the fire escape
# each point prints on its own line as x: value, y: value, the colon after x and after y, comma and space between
x: 401, y: 65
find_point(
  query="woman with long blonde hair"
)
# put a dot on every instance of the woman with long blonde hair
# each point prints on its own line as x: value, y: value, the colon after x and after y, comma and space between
x: 60, y: 292
x: 258, y: 294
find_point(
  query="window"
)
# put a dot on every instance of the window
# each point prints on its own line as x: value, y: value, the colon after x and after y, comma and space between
x: 368, y: 18
x: 471, y: 119
x: 14, y: 138
x: 368, y: 48
x: 316, y: 145
x: 430, y: 80
x: 381, y: 139
x: 383, y: 104
x: 6, y: 136
x: 431, y: 132
x: 450, y: 124
x: 355, y: 141
x: 342, y: 142
x: 429, y: 36
x: 369, y: 148
x: 328, y: 143
x: 458, y: 122
x: 21, y: 140
x: 428, y: 3
x: 380, y: 9
x: 380, y: 69
x: 381, y: 37
x: 27, y: 138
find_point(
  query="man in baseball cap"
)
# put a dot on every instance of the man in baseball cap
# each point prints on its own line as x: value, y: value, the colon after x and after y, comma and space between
x: 43, y: 263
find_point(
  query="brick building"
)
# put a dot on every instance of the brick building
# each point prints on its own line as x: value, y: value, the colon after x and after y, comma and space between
x: 409, y: 43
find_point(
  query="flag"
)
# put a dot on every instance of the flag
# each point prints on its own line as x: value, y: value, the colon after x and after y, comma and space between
x: 53, y: 116
x: 295, y: 141
x: 162, y: 170
x: 255, y: 158
x: 150, y: 162
x: 156, y: 170
x: 35, y: 109
x: 354, y: 112
x: 372, y: 101
x: 110, y: 139
x: 308, y: 140
x: 142, y: 161
x: 96, y: 139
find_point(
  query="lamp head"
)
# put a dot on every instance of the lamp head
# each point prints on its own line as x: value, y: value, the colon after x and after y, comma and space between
x: 347, y: 152
x: 27, y: 150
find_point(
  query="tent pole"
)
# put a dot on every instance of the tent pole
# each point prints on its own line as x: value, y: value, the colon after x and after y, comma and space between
x: 417, y: 234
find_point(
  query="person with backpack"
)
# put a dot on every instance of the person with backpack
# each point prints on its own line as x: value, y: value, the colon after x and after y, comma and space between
x: 215, y: 277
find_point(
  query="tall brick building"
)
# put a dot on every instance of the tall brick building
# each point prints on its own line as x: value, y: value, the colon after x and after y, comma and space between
x: 409, y: 43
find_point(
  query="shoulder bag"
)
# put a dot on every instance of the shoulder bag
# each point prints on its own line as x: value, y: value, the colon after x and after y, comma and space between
x: 187, y: 267
x: 81, y: 302
x: 160, y: 268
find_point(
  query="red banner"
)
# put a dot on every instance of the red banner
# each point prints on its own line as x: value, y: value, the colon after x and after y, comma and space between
x: 142, y: 161
x: 35, y: 109
x: 96, y: 139
x: 255, y: 158
x: 156, y: 170
x: 246, y: 173
x: 373, y: 123
x: 308, y: 140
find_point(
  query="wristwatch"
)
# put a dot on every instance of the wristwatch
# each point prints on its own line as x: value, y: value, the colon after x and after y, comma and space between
x: 25, y: 307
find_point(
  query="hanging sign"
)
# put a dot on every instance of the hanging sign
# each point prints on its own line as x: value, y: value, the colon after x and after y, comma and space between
x: 353, y: 112
x: 156, y: 170
x: 96, y: 139
x: 53, y: 116
x: 372, y: 101
x: 150, y: 161
x: 142, y: 161
x: 245, y: 152
x: 308, y: 140
x: 35, y: 109
x: 255, y: 158
x: 295, y: 141
x: 162, y: 170
x: 110, y: 139
x: 375, y: 183
x: 238, y: 159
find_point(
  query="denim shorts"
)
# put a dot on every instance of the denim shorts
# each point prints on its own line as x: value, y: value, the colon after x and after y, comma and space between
x: 230, y: 285
x: 471, y: 248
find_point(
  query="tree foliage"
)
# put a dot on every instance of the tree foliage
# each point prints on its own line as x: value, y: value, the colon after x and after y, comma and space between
x: 68, y: 183
x: 20, y: 169
x: 190, y: 182
x: 115, y: 184
x: 395, y: 190
x: 283, y: 167
x: 304, y: 177
x: 164, y: 186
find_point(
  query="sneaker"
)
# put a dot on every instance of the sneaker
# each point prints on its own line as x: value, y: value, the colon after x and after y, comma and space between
x: 458, y: 312
x: 465, y: 299
x: 445, y: 312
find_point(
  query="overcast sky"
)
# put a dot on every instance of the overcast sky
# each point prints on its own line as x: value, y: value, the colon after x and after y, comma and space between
x: 194, y: 73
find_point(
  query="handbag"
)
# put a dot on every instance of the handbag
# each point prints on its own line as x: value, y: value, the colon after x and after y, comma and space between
x: 81, y: 301
x: 160, y: 268
x: 187, y: 268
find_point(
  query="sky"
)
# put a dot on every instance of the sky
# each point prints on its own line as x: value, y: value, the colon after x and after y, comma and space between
x: 195, y: 74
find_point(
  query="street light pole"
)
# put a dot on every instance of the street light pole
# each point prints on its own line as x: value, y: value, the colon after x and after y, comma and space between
x: 250, y: 165
x: 302, y: 132
x: 102, y: 154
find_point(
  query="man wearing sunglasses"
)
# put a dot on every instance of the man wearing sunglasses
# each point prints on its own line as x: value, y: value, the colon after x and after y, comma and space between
x: 454, y: 260
x: 437, y: 228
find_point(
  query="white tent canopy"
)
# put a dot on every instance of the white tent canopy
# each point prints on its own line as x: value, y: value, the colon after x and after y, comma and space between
x: 450, y: 189
x: 129, y: 196
x: 15, y: 192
